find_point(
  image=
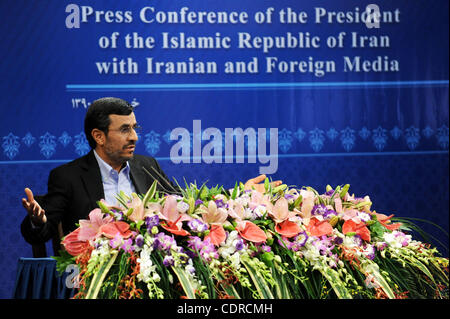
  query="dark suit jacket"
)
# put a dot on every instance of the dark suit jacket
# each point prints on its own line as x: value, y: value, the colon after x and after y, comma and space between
x: 74, y: 190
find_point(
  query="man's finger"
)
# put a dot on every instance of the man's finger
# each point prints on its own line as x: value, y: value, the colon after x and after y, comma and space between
x: 29, y: 194
x: 259, y: 178
x: 35, y: 209
x: 25, y: 204
x: 277, y: 183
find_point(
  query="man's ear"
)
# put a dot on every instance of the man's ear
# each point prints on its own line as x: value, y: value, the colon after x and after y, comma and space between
x: 99, y: 136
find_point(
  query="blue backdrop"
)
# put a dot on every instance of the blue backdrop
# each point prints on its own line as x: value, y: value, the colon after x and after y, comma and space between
x: 381, y: 125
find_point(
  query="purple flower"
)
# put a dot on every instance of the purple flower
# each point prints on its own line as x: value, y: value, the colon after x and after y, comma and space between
x: 116, y: 241
x: 370, y: 252
x: 338, y: 240
x: 151, y: 221
x: 195, y: 243
x: 381, y: 246
x: 198, y: 202
x: 266, y: 248
x: 197, y: 225
x: 139, y: 240
x: 205, y: 249
x: 301, y: 238
x: 163, y: 242
x: 357, y: 240
x: 239, y: 244
x: 322, y: 210
x: 127, y: 245
x: 118, y: 215
x: 219, y: 203
x: 168, y: 261
x: 288, y: 196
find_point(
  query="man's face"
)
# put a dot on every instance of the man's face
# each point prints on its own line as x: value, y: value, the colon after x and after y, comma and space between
x: 120, y: 141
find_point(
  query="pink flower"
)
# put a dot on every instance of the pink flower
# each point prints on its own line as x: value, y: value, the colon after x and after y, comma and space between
x: 280, y: 211
x: 139, y: 211
x: 257, y: 199
x: 319, y: 228
x: 287, y: 229
x: 251, y: 232
x: 73, y: 245
x: 173, y: 219
x: 351, y: 214
x: 216, y: 235
x: 113, y: 229
x: 213, y: 215
x: 307, y: 204
x: 338, y: 205
x: 235, y: 210
x: 90, y: 229
x: 281, y: 214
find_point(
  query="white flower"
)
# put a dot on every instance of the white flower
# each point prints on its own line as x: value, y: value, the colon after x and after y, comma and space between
x: 364, y: 216
x: 182, y: 207
x: 259, y: 211
x: 235, y: 260
x: 242, y: 200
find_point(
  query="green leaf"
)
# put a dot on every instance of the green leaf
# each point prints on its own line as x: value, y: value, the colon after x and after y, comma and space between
x: 344, y: 190
x: 266, y: 184
x: 183, y: 278
x: 104, y: 208
x: 280, y: 188
x: 150, y: 193
x: 261, y: 286
x: 100, y: 275
x: 332, y: 276
x: 234, y: 194
x: 377, y: 229
x: 281, y: 287
x: 63, y: 260
x: 298, y: 201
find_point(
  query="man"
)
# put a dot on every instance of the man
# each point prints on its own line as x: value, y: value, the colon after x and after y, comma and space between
x: 110, y: 167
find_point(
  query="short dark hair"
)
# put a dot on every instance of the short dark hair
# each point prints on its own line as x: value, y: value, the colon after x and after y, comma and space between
x: 97, y: 115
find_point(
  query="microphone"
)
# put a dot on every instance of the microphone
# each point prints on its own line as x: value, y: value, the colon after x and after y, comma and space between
x: 174, y: 191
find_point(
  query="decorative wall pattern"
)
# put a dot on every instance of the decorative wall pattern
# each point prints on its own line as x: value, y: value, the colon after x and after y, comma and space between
x: 317, y: 140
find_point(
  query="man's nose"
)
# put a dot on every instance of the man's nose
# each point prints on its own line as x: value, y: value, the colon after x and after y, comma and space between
x: 133, y: 136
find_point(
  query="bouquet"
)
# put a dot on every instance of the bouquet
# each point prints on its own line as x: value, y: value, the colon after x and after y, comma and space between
x: 285, y: 243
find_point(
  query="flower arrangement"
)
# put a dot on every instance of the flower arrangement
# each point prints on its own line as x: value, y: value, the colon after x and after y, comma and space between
x: 284, y: 243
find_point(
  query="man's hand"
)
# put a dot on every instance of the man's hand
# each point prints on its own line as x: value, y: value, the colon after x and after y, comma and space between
x: 34, y: 210
x: 256, y: 183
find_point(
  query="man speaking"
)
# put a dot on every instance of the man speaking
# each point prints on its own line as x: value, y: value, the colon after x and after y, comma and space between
x: 109, y: 168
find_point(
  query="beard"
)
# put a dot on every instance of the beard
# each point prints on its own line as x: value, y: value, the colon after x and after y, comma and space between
x: 120, y: 156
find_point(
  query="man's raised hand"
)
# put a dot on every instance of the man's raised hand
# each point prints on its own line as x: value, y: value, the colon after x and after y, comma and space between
x: 258, y: 183
x: 34, y: 210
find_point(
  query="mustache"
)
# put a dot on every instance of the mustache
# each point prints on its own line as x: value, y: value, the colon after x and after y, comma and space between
x: 129, y: 144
